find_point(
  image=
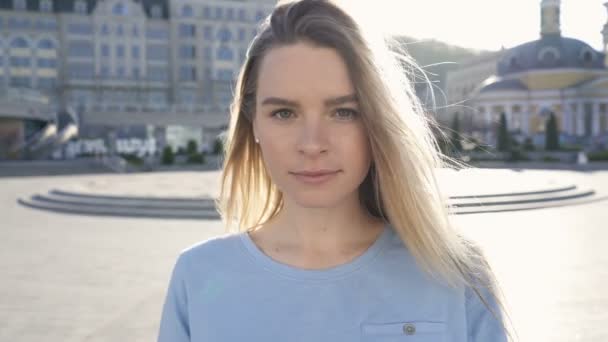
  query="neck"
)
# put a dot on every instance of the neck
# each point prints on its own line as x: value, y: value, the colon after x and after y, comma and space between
x: 319, y: 230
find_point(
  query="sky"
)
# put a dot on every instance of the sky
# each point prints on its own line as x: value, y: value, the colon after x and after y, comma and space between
x: 482, y: 24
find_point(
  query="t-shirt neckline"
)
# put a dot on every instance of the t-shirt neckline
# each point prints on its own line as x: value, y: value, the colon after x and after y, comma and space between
x: 316, y: 274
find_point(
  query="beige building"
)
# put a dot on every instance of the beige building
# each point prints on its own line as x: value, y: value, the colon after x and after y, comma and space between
x: 553, y: 74
x: 129, y: 68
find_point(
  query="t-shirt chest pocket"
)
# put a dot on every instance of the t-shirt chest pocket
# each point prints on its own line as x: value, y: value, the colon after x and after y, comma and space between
x: 413, y: 331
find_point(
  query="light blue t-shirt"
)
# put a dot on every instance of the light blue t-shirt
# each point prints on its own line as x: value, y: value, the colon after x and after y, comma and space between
x: 227, y: 290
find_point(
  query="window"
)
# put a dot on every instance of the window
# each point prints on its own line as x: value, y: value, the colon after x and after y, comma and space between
x: 513, y: 62
x: 80, y: 7
x: 134, y: 51
x: 219, y: 12
x: 120, y: 9
x: 224, y: 74
x: 104, y: 71
x: 157, y: 33
x: 81, y: 70
x: 208, y: 52
x: 208, y: 32
x: 187, y: 30
x: 120, y: 51
x: 225, y: 53
x: 80, y: 49
x: 21, y: 62
x: 548, y: 56
x: 18, y: 23
x: 157, y: 52
x: 187, y: 73
x: 47, y: 63
x: 46, y: 44
x: 20, y: 81
x: 19, y: 5
x: 587, y: 56
x: 120, y: 31
x: 105, y: 30
x: 120, y: 72
x: 259, y: 15
x: 187, y: 52
x: 46, y: 6
x: 230, y: 14
x: 136, y: 73
x: 206, y: 12
x: 242, y: 15
x: 46, y: 25
x: 105, y: 50
x: 224, y: 35
x: 158, y: 74
x: 187, y: 11
x: 19, y: 43
x: 47, y: 82
x: 135, y: 31
x: 156, y: 11
x: 241, y: 34
x: 80, y: 28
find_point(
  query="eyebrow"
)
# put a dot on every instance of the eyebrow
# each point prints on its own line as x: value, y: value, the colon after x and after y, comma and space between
x: 334, y: 101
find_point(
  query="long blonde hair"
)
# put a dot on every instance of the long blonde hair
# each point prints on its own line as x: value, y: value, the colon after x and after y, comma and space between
x: 401, y: 185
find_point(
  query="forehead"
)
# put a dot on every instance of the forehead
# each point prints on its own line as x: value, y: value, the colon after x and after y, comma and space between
x: 303, y: 71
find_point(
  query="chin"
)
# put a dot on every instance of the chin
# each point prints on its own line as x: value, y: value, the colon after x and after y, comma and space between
x: 318, y: 199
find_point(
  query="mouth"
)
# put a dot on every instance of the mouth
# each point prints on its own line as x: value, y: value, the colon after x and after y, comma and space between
x: 315, y: 176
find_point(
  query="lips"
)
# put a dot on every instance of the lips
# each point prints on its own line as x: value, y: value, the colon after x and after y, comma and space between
x: 315, y: 177
x: 315, y: 173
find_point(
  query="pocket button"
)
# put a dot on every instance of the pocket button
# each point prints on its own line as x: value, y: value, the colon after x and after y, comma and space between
x: 409, y: 329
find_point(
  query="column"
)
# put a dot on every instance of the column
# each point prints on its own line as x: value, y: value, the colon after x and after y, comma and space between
x: 567, y: 118
x: 596, y: 119
x: 508, y: 115
x: 580, y: 119
x: 488, y: 115
x: 525, y: 119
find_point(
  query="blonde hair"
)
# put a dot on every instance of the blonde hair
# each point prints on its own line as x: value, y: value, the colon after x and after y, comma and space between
x: 401, y: 185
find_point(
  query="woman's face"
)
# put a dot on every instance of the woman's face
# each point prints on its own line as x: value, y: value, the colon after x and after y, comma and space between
x: 307, y: 119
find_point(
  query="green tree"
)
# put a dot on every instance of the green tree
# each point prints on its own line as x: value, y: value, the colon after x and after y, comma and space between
x: 191, y: 148
x: 218, y: 146
x: 456, y: 139
x: 551, y: 134
x: 168, y: 157
x: 504, y: 140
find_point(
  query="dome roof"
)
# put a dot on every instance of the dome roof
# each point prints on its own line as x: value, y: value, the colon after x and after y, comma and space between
x: 550, y: 52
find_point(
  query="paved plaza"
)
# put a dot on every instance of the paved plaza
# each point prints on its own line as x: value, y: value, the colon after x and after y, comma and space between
x: 73, y: 277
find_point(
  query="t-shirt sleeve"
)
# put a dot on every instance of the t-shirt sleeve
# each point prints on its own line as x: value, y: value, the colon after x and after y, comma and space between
x: 174, y: 323
x: 482, y: 324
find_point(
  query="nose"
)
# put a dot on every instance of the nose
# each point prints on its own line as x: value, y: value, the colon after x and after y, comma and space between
x: 312, y: 137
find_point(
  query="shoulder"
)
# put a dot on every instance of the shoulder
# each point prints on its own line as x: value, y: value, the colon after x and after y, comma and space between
x: 212, y: 253
x: 211, y: 246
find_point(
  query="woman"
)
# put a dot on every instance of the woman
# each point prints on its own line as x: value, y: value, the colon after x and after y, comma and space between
x: 330, y: 167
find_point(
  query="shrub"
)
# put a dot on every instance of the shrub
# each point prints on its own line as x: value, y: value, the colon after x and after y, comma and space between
x: 191, y: 148
x: 598, y: 156
x: 133, y: 159
x: 168, y: 157
x: 196, y: 158
x: 218, y: 146
x: 550, y: 159
x: 528, y: 145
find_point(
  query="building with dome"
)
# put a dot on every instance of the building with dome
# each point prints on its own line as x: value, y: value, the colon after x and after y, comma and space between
x: 553, y: 74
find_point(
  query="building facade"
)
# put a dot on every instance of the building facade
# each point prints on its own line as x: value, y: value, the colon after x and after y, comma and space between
x: 131, y: 67
x: 551, y: 75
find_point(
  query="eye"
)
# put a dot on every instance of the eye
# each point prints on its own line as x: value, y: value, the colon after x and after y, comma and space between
x: 281, y: 113
x: 346, y: 113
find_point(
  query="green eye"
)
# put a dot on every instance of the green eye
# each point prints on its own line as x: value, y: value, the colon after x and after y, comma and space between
x: 281, y: 113
x: 346, y: 113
